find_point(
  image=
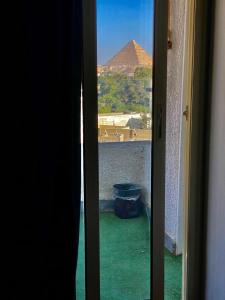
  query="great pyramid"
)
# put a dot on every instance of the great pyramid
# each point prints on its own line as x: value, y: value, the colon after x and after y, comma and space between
x: 132, y: 56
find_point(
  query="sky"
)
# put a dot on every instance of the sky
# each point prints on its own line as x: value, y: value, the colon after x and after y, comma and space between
x: 119, y: 21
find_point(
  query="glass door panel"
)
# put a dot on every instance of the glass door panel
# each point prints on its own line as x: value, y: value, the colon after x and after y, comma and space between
x: 124, y: 73
x: 123, y: 186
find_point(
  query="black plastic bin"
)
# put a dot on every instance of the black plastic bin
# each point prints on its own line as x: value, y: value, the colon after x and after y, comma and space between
x: 127, y: 200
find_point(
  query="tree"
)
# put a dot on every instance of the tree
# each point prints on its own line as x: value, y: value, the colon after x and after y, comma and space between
x: 143, y: 73
x: 118, y: 92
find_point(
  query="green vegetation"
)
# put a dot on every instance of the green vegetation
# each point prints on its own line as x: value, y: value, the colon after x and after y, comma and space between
x: 143, y: 73
x: 118, y: 92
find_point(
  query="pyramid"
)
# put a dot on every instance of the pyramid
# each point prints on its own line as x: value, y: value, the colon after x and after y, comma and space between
x: 131, y: 55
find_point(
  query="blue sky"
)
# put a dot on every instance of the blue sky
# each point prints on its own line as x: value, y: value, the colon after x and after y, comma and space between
x: 119, y: 21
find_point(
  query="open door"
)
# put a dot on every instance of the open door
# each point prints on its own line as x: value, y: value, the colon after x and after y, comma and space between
x: 152, y: 113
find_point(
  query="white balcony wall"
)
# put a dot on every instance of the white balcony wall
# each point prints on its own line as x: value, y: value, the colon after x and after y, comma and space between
x: 122, y: 162
x: 174, y: 130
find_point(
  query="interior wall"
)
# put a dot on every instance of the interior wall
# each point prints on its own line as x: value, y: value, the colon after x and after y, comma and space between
x: 215, y: 244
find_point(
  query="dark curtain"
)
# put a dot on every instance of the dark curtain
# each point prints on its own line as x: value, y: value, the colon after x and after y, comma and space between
x: 45, y: 80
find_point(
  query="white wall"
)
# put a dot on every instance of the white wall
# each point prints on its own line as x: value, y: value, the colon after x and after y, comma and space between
x: 215, y: 253
x: 174, y: 150
x: 121, y: 162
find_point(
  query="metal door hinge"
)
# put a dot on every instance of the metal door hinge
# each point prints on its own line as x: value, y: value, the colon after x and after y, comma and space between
x: 169, y: 34
x: 186, y: 112
x: 169, y: 40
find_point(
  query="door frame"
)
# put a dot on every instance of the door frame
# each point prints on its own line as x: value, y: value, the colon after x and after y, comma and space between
x: 90, y: 117
x: 196, y: 167
x: 196, y: 156
x: 90, y: 146
x: 158, y: 148
x: 187, y: 94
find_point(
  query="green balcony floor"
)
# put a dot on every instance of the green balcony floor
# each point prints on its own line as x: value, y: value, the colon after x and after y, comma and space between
x: 125, y: 261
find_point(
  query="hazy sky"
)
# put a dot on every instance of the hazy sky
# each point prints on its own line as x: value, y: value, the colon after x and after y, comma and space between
x: 119, y: 21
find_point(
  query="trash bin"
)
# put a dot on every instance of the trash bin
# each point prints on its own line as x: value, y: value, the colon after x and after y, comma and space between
x: 127, y: 200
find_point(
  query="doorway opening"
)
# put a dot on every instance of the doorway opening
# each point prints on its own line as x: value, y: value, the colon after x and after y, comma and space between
x: 124, y: 86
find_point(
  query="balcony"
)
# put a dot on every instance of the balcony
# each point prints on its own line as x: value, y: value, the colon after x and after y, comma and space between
x: 125, y: 243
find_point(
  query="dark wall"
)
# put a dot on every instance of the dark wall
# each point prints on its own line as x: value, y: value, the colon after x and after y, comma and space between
x: 215, y: 244
x: 44, y: 67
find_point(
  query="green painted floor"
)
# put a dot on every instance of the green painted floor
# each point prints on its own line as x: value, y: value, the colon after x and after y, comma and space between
x: 125, y: 261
